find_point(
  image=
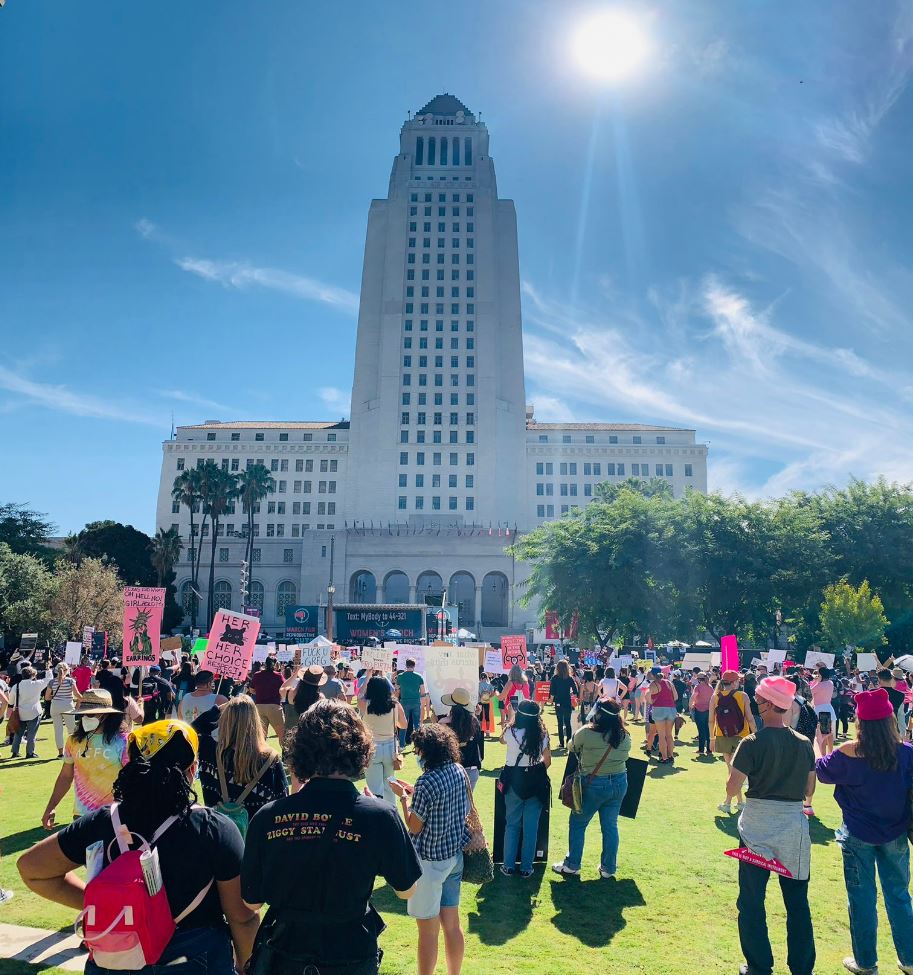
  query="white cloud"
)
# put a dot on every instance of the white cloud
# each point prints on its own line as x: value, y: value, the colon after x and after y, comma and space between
x: 551, y: 409
x: 63, y: 400
x: 241, y: 275
x: 146, y: 229
x: 335, y: 399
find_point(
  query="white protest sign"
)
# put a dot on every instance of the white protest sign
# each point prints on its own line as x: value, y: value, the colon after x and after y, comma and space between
x: 813, y: 657
x: 261, y: 651
x: 316, y: 656
x: 494, y: 662
x: 625, y: 660
x: 865, y: 661
x: 271, y: 647
x: 73, y: 652
x: 377, y: 658
x: 775, y: 657
x: 285, y: 656
x: 447, y: 668
x: 757, y: 662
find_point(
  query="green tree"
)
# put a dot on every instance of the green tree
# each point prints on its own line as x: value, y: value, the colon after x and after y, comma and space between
x: 219, y: 490
x: 852, y: 616
x: 651, y: 488
x: 255, y: 484
x: 26, y: 532
x: 26, y: 588
x: 125, y: 547
x: 87, y: 594
x: 166, y: 550
x: 186, y: 491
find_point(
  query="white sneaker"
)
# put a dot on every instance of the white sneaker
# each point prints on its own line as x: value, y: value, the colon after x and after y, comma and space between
x: 850, y: 965
x: 724, y: 807
x: 6, y: 896
x: 605, y: 874
x: 740, y: 806
x: 563, y: 868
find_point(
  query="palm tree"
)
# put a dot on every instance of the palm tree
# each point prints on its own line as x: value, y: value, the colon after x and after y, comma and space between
x: 220, y: 488
x: 255, y: 484
x: 186, y: 490
x: 166, y: 550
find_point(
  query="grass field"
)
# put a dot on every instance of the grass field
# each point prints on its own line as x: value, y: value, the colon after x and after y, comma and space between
x: 670, y: 910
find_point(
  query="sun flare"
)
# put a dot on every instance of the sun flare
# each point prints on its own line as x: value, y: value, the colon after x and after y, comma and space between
x: 611, y: 45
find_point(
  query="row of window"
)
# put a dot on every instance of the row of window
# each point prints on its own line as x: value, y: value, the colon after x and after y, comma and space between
x: 435, y: 459
x: 286, y: 595
x: 283, y: 437
x: 439, y: 147
x: 439, y: 276
x: 548, y: 510
x: 569, y: 468
x: 439, y: 361
x: 436, y: 480
x: 590, y: 438
x: 441, y: 229
x: 437, y: 418
x: 275, y: 465
x: 426, y: 258
x: 439, y: 343
x: 418, y: 503
x: 441, y: 243
x: 422, y: 400
x: 442, y: 198
x: 422, y: 378
x: 438, y: 326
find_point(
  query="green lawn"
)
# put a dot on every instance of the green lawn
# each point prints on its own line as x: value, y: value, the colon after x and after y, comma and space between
x: 670, y: 910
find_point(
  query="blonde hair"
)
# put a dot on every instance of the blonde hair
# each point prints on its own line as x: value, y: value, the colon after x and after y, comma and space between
x: 241, y: 730
x: 61, y: 670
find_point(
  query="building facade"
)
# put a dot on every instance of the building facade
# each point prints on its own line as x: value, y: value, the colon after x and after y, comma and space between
x: 442, y: 463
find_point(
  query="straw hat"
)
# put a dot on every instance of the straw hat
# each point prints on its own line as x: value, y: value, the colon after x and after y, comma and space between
x: 95, y: 701
x: 458, y: 697
x: 314, y: 675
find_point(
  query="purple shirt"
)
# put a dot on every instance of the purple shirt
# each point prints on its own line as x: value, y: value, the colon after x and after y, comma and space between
x: 875, y: 805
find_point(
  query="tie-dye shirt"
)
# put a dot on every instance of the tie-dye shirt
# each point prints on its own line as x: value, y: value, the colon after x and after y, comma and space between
x: 96, y: 763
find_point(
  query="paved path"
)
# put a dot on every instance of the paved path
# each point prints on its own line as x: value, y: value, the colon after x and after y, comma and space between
x: 42, y: 947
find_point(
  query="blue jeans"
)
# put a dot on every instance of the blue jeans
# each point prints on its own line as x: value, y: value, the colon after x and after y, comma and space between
x: 206, y: 951
x: 413, y: 721
x: 893, y: 862
x: 380, y: 769
x: 525, y: 812
x: 601, y: 795
x: 27, y: 730
x: 702, y: 720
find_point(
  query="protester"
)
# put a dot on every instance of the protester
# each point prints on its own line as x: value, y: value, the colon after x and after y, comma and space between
x: 730, y: 720
x: 897, y: 697
x: 26, y: 698
x: 265, y: 686
x: 525, y: 785
x: 413, y: 697
x: 601, y: 749
x: 199, y: 852
x: 466, y: 727
x: 435, y: 814
x: 108, y: 679
x: 516, y: 689
x: 701, y: 695
x: 589, y: 694
x: 823, y: 692
x: 320, y: 916
x: 94, y: 754
x: 561, y: 689
x: 777, y: 764
x: 251, y: 771
x: 385, y: 719
x: 183, y: 682
x: 310, y: 680
x: 662, y: 697
x: 202, y: 699
x: 610, y: 687
x: 486, y: 704
x: 873, y: 776
x: 61, y: 694
x: 83, y: 675
x: 332, y: 690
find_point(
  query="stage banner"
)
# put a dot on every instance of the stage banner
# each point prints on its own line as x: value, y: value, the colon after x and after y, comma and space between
x: 143, y: 609
x: 230, y: 647
x: 356, y: 625
x: 301, y: 623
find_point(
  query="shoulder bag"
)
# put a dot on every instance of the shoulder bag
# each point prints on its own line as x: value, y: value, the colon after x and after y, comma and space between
x: 572, y: 786
x: 50, y: 693
x: 478, y: 865
x: 14, y: 723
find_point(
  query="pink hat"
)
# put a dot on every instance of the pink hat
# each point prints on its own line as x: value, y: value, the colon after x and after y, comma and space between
x: 778, y: 690
x: 874, y: 705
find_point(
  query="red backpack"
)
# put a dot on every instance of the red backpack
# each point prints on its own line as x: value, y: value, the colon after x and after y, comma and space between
x: 126, y: 919
x: 730, y: 719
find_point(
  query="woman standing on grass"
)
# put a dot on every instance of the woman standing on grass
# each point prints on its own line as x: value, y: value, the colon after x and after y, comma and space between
x: 701, y: 695
x: 561, y: 688
x: 61, y: 693
x: 602, y: 749
x: 466, y: 727
x: 662, y: 696
x: 822, y: 699
x: 384, y: 718
x: 589, y: 692
x: 516, y: 687
x: 873, y: 776
x: 730, y: 720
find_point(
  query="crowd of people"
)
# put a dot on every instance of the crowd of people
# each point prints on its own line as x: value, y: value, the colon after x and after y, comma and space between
x: 135, y: 747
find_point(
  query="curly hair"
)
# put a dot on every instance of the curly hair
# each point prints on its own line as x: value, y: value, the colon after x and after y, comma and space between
x: 329, y: 739
x: 149, y: 791
x: 436, y: 745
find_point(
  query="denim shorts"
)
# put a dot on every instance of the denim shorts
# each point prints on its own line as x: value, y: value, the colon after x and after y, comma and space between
x: 663, y: 714
x: 438, y: 886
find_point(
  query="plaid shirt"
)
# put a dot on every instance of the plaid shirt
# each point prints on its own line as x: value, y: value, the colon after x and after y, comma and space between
x: 441, y: 801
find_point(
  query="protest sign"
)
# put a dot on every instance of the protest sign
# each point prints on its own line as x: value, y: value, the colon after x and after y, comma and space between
x: 377, y: 658
x: 757, y: 662
x: 285, y: 655
x: 494, y: 662
x: 756, y: 860
x: 28, y: 643
x: 230, y: 647
x: 867, y: 661
x: 87, y: 632
x: 172, y: 643
x: 729, y: 652
x: 199, y: 646
x: 323, y: 655
x: 260, y: 652
x: 447, y: 668
x: 541, y: 692
x: 301, y: 623
x: 813, y: 657
x: 513, y: 652
x: 143, y: 608
x: 775, y: 657
x: 73, y: 653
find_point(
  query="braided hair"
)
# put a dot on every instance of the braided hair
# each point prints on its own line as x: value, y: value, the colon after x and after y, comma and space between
x: 151, y: 790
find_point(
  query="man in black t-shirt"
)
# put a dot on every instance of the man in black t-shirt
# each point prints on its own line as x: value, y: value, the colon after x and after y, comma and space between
x: 110, y: 680
x: 314, y: 856
x: 887, y: 680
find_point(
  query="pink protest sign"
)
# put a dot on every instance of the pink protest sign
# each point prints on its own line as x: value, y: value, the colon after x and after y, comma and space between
x: 230, y: 647
x: 756, y: 860
x: 729, y: 653
x: 513, y: 651
x: 143, y: 609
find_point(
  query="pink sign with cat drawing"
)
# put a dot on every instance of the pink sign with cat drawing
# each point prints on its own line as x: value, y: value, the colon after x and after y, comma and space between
x: 230, y: 647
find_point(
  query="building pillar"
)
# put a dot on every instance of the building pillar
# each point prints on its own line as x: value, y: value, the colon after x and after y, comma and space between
x: 478, y: 624
x: 412, y: 590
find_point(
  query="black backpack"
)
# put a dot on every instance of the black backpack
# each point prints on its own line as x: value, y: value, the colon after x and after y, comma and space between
x: 808, y: 720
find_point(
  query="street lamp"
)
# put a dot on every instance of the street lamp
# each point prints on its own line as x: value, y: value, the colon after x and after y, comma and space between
x: 331, y: 589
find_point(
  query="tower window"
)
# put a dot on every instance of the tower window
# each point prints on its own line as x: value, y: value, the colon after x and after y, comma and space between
x: 432, y: 152
x: 419, y: 152
x: 456, y: 152
x: 467, y: 154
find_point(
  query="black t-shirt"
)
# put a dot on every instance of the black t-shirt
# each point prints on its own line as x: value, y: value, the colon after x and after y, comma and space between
x: 193, y: 851
x: 896, y: 697
x: 561, y: 689
x: 273, y: 784
x: 111, y: 682
x: 290, y: 866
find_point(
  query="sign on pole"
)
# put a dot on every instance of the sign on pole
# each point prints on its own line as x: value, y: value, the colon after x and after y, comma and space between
x: 729, y: 652
x: 513, y: 652
x: 87, y: 632
x: 230, y: 647
x: 73, y: 653
x: 143, y: 609
x: 377, y: 658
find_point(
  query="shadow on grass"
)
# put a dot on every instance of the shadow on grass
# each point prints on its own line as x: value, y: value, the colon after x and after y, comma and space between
x: 17, y: 842
x: 10, y: 762
x: 663, y: 771
x: 385, y: 900
x: 819, y: 834
x: 605, y: 900
x: 505, y: 907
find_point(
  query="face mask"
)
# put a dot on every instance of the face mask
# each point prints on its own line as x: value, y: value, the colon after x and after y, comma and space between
x: 90, y: 724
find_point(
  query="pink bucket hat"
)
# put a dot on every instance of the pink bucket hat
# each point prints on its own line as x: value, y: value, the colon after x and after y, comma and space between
x: 778, y: 690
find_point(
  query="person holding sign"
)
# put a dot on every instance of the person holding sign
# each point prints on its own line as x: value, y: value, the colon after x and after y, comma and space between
x: 730, y: 721
x: 516, y: 689
x: 202, y: 699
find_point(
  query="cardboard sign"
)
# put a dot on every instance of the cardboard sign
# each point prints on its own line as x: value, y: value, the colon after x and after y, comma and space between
x: 813, y: 657
x: 377, y: 658
x: 446, y: 669
x: 541, y: 693
x: 494, y: 662
x: 73, y: 653
x: 87, y: 633
x: 867, y: 661
x: 757, y: 662
x: 285, y: 655
x: 230, y: 647
x: 172, y: 643
x: 756, y: 860
x: 260, y: 652
x: 321, y: 656
x: 729, y: 652
x: 513, y: 652
x: 775, y: 657
x: 143, y: 609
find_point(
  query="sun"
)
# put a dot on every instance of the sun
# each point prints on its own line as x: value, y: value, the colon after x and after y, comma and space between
x: 611, y: 45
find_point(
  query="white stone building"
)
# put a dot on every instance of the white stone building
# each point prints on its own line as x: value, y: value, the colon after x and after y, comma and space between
x: 442, y: 463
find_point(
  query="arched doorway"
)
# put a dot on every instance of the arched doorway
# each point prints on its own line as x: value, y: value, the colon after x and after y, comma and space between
x: 363, y: 587
x: 495, y: 590
x: 462, y: 594
x: 188, y: 599
x: 429, y: 588
x: 222, y: 593
x: 286, y: 595
x: 396, y: 587
x: 255, y: 596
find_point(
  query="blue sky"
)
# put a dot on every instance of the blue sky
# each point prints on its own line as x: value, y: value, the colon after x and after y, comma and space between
x: 722, y: 242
